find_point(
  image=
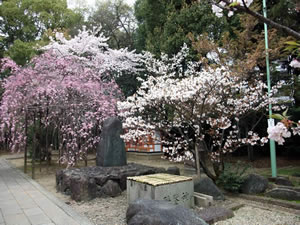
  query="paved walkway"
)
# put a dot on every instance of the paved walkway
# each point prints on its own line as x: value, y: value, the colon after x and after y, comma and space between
x: 24, y: 202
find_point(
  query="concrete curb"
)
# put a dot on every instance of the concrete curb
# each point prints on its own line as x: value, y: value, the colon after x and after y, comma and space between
x: 82, y: 220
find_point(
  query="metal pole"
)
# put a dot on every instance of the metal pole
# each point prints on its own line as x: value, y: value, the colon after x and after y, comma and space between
x: 271, y: 121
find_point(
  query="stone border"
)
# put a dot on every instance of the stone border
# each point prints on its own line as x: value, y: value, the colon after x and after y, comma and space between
x: 82, y: 220
x: 271, y: 201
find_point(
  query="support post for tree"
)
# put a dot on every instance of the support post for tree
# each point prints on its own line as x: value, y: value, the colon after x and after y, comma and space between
x: 33, y: 147
x: 48, y: 157
x: 25, y: 150
x: 271, y: 121
x: 197, y: 160
x: 40, y: 140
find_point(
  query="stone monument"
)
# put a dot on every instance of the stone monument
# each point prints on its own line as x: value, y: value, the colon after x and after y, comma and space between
x: 111, y: 148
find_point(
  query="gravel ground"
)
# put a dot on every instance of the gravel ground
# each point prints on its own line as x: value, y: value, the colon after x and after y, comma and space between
x: 249, y: 215
x: 112, y: 211
x: 104, y: 211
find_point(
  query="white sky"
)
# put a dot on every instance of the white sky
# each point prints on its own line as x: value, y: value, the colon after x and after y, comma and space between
x: 129, y: 2
x: 92, y: 2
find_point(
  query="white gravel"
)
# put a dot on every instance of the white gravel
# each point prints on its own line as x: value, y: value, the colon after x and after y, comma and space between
x: 249, y: 215
x: 104, y: 211
x: 112, y: 211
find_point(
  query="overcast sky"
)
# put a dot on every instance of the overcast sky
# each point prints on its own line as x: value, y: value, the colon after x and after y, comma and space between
x: 92, y: 2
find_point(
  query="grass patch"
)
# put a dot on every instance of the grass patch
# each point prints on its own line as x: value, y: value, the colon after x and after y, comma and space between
x: 296, y: 201
x: 290, y: 171
x: 285, y: 171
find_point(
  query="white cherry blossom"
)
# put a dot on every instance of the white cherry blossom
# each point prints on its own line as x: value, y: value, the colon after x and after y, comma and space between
x: 295, y: 63
x: 278, y: 133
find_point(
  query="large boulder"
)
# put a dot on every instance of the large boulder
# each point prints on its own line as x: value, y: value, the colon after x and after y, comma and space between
x: 284, y: 193
x: 79, y: 188
x: 157, y: 212
x: 95, y: 181
x: 111, y: 148
x: 207, y: 186
x: 254, y: 184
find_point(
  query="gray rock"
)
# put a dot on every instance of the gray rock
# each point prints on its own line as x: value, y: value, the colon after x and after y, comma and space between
x: 79, y: 188
x: 173, y: 170
x: 111, y: 188
x: 214, y: 214
x: 284, y: 193
x: 111, y: 148
x: 95, y: 181
x: 207, y: 186
x: 283, y: 181
x: 296, y: 174
x: 254, y: 184
x: 155, y: 212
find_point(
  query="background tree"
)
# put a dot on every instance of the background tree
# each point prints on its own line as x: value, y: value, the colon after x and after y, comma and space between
x: 163, y: 25
x: 24, y: 22
x: 117, y: 22
x: 243, y: 6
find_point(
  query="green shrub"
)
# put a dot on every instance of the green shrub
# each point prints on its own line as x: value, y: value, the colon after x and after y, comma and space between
x: 233, y: 176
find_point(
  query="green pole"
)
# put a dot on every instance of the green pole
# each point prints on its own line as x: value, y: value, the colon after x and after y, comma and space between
x: 271, y: 121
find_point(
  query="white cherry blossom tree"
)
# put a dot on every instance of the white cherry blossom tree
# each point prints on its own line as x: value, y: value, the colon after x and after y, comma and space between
x: 91, y: 48
x: 195, y: 108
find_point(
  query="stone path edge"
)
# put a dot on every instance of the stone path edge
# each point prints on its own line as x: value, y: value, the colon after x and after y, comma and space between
x: 66, y: 208
x: 267, y: 200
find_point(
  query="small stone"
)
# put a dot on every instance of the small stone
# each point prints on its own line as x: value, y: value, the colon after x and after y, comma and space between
x: 173, y: 170
x: 207, y: 186
x: 283, y: 181
x: 215, y: 214
x: 296, y: 174
x: 111, y: 188
x: 284, y: 193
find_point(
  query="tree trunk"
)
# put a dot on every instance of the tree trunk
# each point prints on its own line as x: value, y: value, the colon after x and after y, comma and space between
x: 250, y: 153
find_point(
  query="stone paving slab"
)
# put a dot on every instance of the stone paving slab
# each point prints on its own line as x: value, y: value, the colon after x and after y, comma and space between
x: 24, y: 202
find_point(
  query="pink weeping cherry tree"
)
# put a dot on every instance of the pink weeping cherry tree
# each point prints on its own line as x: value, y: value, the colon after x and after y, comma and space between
x: 72, y: 88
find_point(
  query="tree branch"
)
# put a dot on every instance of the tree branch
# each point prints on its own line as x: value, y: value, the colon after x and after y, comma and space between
x: 261, y: 18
